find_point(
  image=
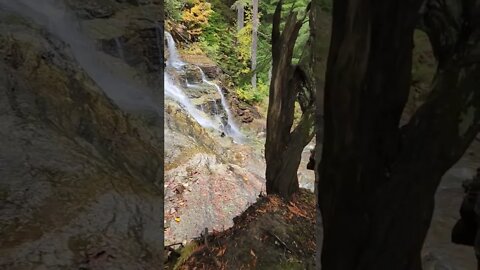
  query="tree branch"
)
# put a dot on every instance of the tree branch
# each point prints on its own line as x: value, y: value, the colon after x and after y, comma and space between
x: 450, y: 117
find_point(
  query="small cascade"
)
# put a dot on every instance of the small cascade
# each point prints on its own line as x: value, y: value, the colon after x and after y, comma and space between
x: 173, y: 57
x: 192, y: 86
x: 231, y: 128
x: 224, y: 123
x: 174, y: 92
x: 215, y: 106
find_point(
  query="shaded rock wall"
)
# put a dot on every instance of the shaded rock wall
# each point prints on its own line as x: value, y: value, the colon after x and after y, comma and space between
x: 80, y: 180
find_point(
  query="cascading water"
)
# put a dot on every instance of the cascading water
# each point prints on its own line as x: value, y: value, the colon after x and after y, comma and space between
x: 228, y: 127
x: 55, y: 18
x: 174, y: 92
x: 173, y: 57
x: 231, y: 128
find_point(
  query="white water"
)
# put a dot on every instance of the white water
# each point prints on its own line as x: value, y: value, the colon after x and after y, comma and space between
x: 175, y: 92
x: 53, y: 16
x: 231, y: 128
x: 173, y: 57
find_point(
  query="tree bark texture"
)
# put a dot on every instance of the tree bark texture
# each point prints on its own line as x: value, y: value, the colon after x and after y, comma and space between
x: 377, y: 180
x: 283, y: 147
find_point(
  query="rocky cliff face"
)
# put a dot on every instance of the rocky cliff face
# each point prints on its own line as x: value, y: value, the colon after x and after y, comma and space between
x: 80, y: 180
x: 134, y: 24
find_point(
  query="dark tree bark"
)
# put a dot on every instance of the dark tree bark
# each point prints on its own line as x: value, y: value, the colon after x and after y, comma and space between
x: 377, y: 180
x: 283, y: 147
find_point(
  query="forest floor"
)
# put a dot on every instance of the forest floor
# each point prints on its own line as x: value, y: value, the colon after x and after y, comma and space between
x: 270, y: 234
x: 438, y: 251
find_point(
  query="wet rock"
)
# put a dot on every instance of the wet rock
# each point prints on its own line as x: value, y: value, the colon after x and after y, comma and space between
x: 114, y: 47
x: 92, y: 9
x: 211, y: 71
x: 204, y: 96
x: 79, y: 178
x: 210, y: 104
x: 141, y: 48
x: 193, y: 75
x: 138, y: 32
x: 184, y: 137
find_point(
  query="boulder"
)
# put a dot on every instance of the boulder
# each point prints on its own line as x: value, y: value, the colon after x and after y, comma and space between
x: 92, y: 9
x: 211, y: 71
x: 193, y: 75
x: 138, y: 32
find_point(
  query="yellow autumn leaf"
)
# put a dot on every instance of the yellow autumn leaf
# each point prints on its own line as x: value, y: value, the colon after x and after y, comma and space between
x: 196, y: 17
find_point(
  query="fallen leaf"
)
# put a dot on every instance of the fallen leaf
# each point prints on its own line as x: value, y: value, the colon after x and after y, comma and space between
x: 177, y: 219
x: 221, y: 251
x: 294, y: 209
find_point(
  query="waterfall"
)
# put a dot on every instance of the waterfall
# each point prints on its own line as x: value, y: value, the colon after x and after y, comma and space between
x: 229, y: 126
x: 173, y: 57
x: 174, y: 92
x: 55, y: 18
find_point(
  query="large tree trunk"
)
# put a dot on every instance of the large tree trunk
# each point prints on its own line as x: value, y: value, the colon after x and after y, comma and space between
x: 377, y: 181
x: 367, y: 85
x: 283, y: 147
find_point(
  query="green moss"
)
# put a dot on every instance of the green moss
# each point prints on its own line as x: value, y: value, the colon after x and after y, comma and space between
x: 185, y: 253
x: 292, y: 265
